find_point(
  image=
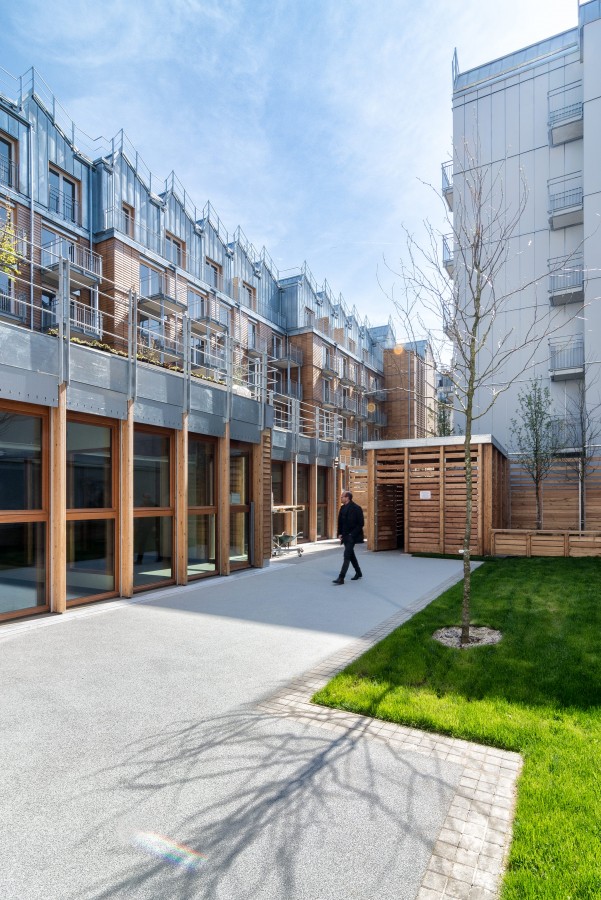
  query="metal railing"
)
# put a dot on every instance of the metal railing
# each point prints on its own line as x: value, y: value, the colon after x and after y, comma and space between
x: 78, y: 255
x: 64, y: 205
x: 564, y: 199
x: 447, y: 177
x: 81, y: 318
x: 9, y: 174
x: 208, y: 309
x: 448, y: 256
x: 571, y: 111
x: 282, y: 353
x: 566, y: 354
x: 569, y: 278
x: 12, y: 306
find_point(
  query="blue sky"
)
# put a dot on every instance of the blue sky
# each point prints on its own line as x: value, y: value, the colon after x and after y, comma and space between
x: 312, y: 125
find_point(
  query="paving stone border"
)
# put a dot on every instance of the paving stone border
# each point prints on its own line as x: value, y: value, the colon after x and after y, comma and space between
x: 468, y: 859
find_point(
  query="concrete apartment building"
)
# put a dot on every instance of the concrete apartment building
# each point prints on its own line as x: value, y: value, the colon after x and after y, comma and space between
x: 538, y: 112
x: 160, y: 381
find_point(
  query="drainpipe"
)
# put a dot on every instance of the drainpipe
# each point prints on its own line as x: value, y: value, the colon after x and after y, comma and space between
x: 30, y: 181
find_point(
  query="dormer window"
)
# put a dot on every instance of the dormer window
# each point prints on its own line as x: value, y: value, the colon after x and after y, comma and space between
x: 173, y: 250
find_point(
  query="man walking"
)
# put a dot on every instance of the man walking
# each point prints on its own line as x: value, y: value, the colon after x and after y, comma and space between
x: 350, y: 532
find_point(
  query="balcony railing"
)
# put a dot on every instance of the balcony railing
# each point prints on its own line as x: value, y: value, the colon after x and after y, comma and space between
x: 564, y: 199
x: 448, y: 256
x: 81, y: 318
x: 209, y: 311
x: 289, y: 389
x: 79, y: 256
x: 566, y: 284
x: 284, y: 354
x: 571, y: 111
x: 64, y: 205
x: 119, y: 220
x: 13, y: 307
x: 9, y: 174
x: 447, y: 183
x: 566, y: 358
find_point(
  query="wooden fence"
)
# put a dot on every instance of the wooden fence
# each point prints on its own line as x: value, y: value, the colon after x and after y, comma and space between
x: 561, y: 492
x: 545, y: 543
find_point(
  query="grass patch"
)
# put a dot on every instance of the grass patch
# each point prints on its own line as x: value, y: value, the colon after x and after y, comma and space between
x: 537, y: 692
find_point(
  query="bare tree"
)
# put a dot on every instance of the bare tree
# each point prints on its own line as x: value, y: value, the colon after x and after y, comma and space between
x: 535, y: 436
x: 479, y: 251
x: 582, y: 440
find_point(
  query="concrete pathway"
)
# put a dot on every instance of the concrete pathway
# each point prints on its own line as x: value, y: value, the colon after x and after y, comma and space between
x: 165, y: 748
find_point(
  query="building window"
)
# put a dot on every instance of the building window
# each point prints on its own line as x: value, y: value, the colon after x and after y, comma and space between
x: 202, y: 507
x: 91, y: 510
x: 150, y: 281
x: 128, y: 219
x: 249, y: 296
x: 153, y: 507
x: 174, y: 250
x: 252, y: 336
x: 23, y: 512
x: 196, y: 305
x: 63, y: 196
x: 213, y: 275
x: 8, y: 168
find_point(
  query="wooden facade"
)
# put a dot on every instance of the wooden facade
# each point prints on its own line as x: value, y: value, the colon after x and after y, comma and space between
x: 562, y: 493
x: 417, y: 494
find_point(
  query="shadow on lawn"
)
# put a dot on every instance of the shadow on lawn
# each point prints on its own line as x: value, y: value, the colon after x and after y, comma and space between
x: 265, y: 801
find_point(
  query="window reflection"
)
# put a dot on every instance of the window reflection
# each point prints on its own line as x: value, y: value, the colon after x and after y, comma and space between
x: 22, y: 566
x: 201, y: 544
x: 201, y: 473
x: 151, y: 470
x: 153, y: 542
x: 90, y: 558
x: 89, y: 481
x: 20, y: 461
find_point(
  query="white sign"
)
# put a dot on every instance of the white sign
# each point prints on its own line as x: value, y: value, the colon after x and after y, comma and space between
x: 425, y: 495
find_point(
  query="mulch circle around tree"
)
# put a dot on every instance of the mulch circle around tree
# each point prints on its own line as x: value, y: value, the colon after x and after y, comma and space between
x: 479, y: 637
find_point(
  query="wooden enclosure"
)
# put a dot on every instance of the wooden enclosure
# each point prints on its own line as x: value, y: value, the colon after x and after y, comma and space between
x: 417, y: 494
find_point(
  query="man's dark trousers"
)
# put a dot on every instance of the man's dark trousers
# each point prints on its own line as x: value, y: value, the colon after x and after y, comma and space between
x: 349, y: 556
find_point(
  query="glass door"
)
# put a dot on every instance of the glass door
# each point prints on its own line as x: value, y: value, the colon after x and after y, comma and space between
x: 239, y: 506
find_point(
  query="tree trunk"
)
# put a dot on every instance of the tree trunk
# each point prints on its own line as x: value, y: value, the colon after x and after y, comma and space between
x: 539, y: 508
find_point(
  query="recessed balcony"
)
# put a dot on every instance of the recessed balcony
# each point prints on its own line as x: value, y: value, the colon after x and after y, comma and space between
x: 566, y: 281
x: 257, y: 345
x: 566, y: 203
x: 85, y: 266
x: 12, y: 308
x: 283, y: 356
x: 208, y: 315
x: 329, y: 365
x: 448, y: 256
x: 82, y: 318
x: 566, y: 114
x: 447, y: 183
x: 566, y: 359
x: 157, y: 296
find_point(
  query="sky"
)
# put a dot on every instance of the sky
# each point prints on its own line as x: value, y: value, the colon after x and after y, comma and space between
x: 318, y: 126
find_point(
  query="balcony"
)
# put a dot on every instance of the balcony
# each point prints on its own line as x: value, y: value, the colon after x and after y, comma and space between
x: 12, y: 307
x: 347, y: 375
x: 448, y: 256
x: 128, y: 225
x: 256, y: 345
x: 566, y: 282
x: 447, y: 183
x: 289, y: 388
x: 82, y: 318
x: 64, y: 206
x: 566, y: 359
x: 157, y: 296
x: 329, y: 364
x: 350, y: 434
x: 283, y: 356
x: 208, y: 314
x: 331, y: 399
x: 566, y: 115
x: 85, y: 269
x: 214, y: 278
x: 208, y: 361
x: 566, y: 203
x: 9, y: 174
x: 362, y: 409
x: 348, y: 406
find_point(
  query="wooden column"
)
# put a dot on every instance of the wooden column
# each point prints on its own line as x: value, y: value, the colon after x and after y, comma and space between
x: 223, y: 503
x: 480, y: 497
x: 441, y: 477
x: 58, y: 503
x: 127, y: 503
x: 371, y: 500
x: 487, y: 495
x: 313, y: 502
x: 407, y: 498
x: 181, y: 503
x: 257, y: 484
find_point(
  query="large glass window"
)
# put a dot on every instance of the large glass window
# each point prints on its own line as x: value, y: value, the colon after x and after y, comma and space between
x: 20, y: 461
x: 152, y: 473
x: 91, y: 509
x: 277, y: 493
x: 322, y: 502
x: 239, y: 506
x: 302, y: 494
x: 89, y: 473
x: 6, y: 166
x: 202, y: 500
x: 153, y: 512
x: 23, y: 512
x: 90, y: 558
x: 22, y: 566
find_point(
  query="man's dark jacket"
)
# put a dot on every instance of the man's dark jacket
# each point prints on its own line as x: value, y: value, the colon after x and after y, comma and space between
x: 350, y: 522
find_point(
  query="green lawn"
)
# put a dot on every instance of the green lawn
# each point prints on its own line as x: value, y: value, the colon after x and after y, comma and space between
x: 538, y: 692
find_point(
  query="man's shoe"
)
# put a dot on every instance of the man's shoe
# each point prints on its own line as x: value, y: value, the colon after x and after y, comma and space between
x: 338, y: 581
x: 357, y: 576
